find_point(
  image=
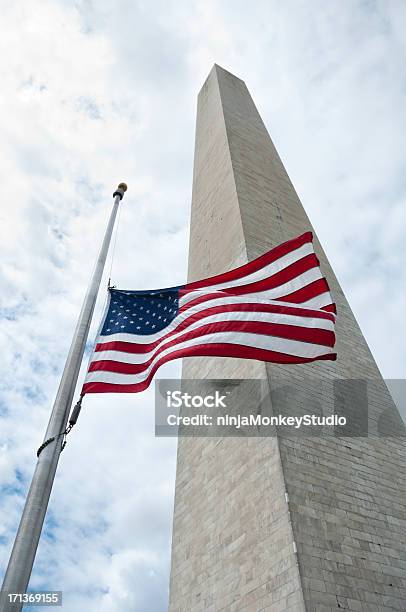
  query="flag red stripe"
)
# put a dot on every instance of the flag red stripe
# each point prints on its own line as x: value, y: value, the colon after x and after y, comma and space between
x: 248, y: 268
x: 330, y: 308
x: 304, y: 294
x: 211, y: 350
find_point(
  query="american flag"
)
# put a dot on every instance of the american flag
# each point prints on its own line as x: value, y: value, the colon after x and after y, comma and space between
x: 277, y: 308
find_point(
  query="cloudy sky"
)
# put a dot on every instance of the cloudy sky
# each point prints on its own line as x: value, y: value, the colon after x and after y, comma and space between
x: 98, y: 92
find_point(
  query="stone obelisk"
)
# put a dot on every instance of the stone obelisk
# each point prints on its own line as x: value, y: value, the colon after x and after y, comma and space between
x: 288, y: 522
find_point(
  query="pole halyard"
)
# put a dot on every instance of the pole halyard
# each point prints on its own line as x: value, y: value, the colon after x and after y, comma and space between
x: 25, y: 546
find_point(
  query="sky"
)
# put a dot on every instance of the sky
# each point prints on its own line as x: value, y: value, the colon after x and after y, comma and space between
x: 94, y: 93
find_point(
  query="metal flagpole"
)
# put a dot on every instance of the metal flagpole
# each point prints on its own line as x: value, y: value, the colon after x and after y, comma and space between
x: 29, y: 531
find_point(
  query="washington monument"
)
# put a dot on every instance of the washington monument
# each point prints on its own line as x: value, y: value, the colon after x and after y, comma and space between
x: 298, y: 523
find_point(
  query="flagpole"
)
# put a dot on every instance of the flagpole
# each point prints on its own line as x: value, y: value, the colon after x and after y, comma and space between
x: 25, y: 546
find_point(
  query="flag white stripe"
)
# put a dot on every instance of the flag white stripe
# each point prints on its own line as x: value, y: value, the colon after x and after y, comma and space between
x: 318, y: 302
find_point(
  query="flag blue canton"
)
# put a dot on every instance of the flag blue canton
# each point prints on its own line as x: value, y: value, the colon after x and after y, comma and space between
x: 140, y: 312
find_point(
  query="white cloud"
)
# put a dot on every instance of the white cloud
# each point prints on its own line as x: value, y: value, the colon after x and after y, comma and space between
x: 96, y: 93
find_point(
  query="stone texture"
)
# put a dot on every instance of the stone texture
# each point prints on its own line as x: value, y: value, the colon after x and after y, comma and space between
x: 238, y: 544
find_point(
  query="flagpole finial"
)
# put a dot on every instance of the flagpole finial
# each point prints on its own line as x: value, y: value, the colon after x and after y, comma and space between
x: 120, y: 191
